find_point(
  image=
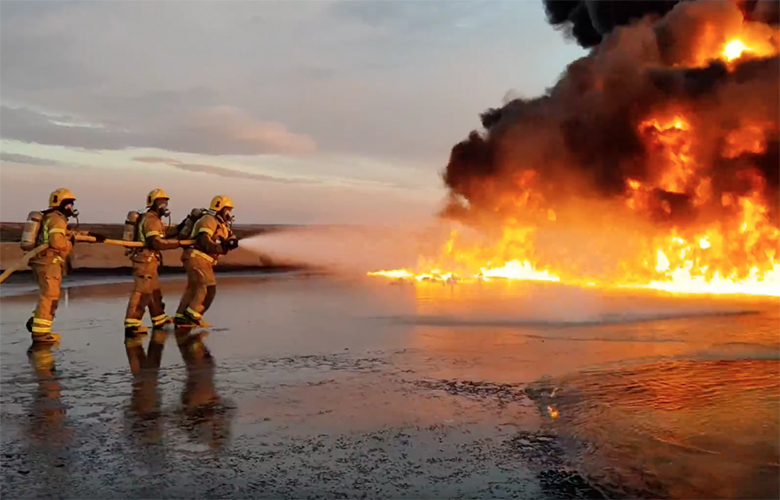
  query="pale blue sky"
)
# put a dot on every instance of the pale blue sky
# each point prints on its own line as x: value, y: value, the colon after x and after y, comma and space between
x: 303, y: 111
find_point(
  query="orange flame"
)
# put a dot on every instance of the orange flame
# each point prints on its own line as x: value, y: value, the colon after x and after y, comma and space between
x: 734, y: 49
x: 736, y: 254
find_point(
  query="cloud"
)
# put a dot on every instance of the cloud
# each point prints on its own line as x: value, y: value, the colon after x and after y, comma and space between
x: 219, y: 130
x: 27, y: 160
x: 221, y: 171
x: 156, y: 159
x: 230, y: 126
x: 373, y: 79
x: 230, y: 172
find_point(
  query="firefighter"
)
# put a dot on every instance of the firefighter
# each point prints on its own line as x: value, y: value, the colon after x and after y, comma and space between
x: 213, y: 237
x: 146, y: 260
x: 48, y: 266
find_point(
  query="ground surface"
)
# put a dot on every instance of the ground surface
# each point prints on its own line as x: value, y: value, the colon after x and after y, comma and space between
x: 311, y: 386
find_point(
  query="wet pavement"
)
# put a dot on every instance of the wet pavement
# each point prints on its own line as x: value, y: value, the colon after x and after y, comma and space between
x: 322, y: 387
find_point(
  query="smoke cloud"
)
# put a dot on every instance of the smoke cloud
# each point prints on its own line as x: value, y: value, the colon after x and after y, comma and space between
x: 588, y: 21
x: 584, y: 138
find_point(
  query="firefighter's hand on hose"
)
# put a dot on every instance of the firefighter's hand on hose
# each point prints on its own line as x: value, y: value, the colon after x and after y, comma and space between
x: 99, y: 238
x: 231, y: 243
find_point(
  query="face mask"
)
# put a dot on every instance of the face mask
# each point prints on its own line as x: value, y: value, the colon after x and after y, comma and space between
x: 227, y: 216
x: 70, y: 211
x: 162, y: 209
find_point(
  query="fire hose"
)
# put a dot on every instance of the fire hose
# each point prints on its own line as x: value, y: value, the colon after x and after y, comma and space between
x: 87, y: 239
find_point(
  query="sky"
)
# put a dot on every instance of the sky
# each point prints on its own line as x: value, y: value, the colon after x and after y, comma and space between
x: 304, y: 112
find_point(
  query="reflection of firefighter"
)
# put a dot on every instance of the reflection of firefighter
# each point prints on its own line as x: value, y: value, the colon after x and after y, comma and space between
x: 213, y: 237
x: 48, y: 412
x: 144, y: 412
x: 203, y: 414
x: 148, y: 229
x: 50, y: 227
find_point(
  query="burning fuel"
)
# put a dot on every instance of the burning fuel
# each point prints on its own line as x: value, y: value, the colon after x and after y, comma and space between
x: 654, y: 162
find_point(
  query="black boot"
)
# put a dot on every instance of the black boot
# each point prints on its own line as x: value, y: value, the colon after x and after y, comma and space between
x: 50, y: 338
x: 133, y: 336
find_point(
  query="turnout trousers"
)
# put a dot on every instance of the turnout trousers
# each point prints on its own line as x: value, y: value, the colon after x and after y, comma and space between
x: 200, y: 291
x: 146, y: 294
x: 48, y: 277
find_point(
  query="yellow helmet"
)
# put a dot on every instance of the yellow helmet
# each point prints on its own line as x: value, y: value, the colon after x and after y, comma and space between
x: 56, y: 197
x: 219, y: 202
x: 155, y: 195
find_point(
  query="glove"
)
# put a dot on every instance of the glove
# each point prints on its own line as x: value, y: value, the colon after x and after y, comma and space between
x: 230, y: 244
x: 99, y: 238
x: 233, y: 242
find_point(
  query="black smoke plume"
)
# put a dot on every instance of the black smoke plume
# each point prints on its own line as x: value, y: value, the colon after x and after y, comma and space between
x: 588, y: 21
x: 582, y: 138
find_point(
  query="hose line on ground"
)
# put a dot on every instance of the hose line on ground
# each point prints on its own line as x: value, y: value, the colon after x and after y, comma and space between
x: 87, y: 239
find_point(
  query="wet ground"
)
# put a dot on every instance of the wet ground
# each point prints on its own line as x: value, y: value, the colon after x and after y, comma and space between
x: 323, y: 387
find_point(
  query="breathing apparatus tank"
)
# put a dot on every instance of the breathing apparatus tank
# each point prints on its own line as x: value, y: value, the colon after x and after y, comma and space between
x: 32, y: 227
x: 188, y: 224
x: 131, y: 223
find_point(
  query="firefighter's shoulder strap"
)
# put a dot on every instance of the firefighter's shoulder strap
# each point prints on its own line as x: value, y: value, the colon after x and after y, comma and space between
x: 139, y: 225
x: 149, y: 225
x: 207, y: 223
x: 53, y: 223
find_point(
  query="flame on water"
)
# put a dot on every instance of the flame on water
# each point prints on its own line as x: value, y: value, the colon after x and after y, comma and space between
x: 738, y: 253
x: 676, y: 264
x: 397, y: 274
x: 517, y: 270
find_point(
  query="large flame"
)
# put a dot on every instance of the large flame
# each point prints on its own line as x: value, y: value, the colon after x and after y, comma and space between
x: 733, y: 50
x: 735, y: 252
x: 735, y: 40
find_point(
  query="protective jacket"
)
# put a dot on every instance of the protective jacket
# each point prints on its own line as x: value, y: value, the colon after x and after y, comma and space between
x: 54, y: 232
x: 152, y: 233
x: 209, y: 232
